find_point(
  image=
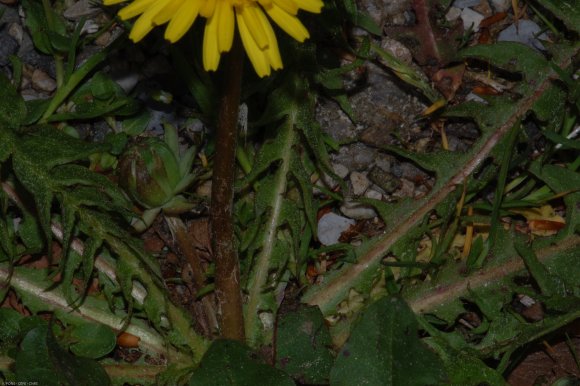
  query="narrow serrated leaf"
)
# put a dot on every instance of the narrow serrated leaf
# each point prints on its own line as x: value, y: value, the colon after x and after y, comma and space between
x: 12, y: 107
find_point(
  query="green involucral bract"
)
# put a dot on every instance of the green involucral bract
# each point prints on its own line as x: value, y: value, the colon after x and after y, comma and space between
x: 146, y: 173
x: 153, y: 172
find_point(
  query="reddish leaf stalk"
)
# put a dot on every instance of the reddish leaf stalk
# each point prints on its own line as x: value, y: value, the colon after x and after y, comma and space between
x: 227, y: 271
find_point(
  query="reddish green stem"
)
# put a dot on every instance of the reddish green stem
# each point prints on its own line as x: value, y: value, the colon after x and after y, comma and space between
x: 227, y: 272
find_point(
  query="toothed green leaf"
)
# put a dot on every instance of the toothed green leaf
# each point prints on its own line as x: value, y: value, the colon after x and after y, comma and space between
x: 303, y: 346
x: 384, y: 349
x: 12, y: 109
x: 566, y: 10
x: 232, y: 363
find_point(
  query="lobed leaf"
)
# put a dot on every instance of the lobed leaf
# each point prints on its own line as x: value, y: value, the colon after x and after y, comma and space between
x: 302, y: 346
x: 12, y: 111
x: 384, y: 349
x: 231, y: 363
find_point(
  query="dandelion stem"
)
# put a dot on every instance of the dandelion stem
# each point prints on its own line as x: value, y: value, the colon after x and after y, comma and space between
x: 227, y: 272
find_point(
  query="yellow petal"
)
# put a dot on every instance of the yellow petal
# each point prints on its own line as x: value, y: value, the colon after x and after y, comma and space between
x: 211, y: 54
x: 287, y: 5
x: 141, y: 28
x: 182, y: 20
x: 135, y: 8
x: 272, y: 51
x: 255, y: 54
x: 168, y: 12
x: 252, y: 21
x: 208, y: 8
x: 314, y: 6
x: 112, y: 2
x: 226, y: 26
x: 144, y: 23
x: 288, y: 23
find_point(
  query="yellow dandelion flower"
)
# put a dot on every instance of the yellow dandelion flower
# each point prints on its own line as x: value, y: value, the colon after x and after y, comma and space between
x: 221, y: 16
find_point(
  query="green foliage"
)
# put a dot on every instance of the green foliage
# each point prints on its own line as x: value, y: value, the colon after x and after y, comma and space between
x: 453, y: 287
x: 97, y: 97
x: 462, y: 368
x: 302, y: 346
x: 10, y: 331
x: 284, y: 209
x: 565, y: 10
x: 494, y: 119
x: 384, y: 349
x: 51, y: 194
x: 47, y: 28
x: 92, y: 341
x: 406, y: 73
x: 154, y: 172
x: 40, y: 358
x: 232, y: 363
x: 12, y: 109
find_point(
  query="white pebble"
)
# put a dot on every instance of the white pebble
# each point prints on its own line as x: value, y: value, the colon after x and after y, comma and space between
x: 331, y: 226
x: 471, y: 19
x: 360, y: 183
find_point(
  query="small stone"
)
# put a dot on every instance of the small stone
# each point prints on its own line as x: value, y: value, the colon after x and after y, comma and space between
x: 360, y: 183
x: 104, y: 39
x: 335, y: 122
x: 340, y: 170
x: 42, y: 82
x: 412, y: 172
x: 384, y: 180
x: 329, y: 181
x: 475, y: 98
x: 465, y: 3
x: 127, y: 81
x: 90, y: 27
x: 30, y: 95
x: 356, y: 156
x: 527, y: 32
x: 407, y: 189
x: 501, y: 5
x: 331, y: 226
x: 484, y: 8
x: 36, y: 60
x: 399, y: 50
x: 25, y: 81
x: 390, y: 7
x: 8, y: 46
x: 373, y: 8
x: 453, y: 14
x: 15, y: 30
x: 267, y: 319
x: 357, y: 210
x: 384, y: 162
x: 471, y: 19
x: 204, y: 190
x: 375, y: 195
x: 82, y: 8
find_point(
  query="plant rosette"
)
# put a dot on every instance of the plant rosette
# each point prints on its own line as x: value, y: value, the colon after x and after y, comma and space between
x: 154, y: 172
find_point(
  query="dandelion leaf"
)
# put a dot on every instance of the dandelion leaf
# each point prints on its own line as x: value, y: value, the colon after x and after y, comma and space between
x: 303, y: 346
x: 566, y: 10
x: 384, y: 349
x: 231, y: 363
x: 12, y: 108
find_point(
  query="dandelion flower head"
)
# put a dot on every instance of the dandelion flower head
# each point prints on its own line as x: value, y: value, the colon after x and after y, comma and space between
x: 221, y: 16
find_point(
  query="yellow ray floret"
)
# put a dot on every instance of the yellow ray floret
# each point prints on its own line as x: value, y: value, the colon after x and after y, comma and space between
x: 221, y: 16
